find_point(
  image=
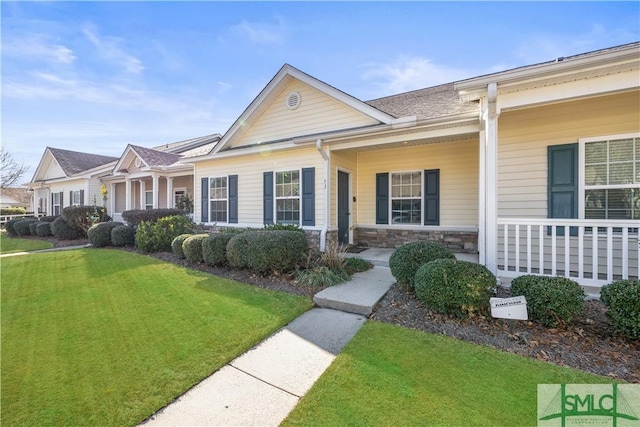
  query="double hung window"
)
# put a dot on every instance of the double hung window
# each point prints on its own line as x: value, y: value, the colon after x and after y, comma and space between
x: 218, y: 199
x: 406, y: 198
x: 288, y: 197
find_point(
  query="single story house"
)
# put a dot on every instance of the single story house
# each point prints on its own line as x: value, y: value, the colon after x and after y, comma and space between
x: 535, y: 169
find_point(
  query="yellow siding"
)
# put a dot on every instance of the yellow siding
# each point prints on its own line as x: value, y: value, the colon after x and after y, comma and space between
x: 458, y: 164
x: 317, y: 113
x: 525, y: 134
x: 346, y: 162
x: 250, y: 171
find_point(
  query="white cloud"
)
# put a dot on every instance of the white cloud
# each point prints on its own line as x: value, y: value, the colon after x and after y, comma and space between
x: 109, y: 48
x: 262, y: 33
x: 39, y: 47
x: 410, y: 73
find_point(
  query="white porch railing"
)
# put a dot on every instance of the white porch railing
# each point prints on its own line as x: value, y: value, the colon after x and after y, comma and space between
x: 5, y: 218
x: 591, y: 252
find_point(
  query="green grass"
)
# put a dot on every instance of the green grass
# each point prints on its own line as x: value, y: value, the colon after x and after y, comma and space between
x: 388, y: 375
x: 11, y: 244
x: 107, y: 337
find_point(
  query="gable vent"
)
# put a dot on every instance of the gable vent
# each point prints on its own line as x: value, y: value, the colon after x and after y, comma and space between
x: 293, y: 100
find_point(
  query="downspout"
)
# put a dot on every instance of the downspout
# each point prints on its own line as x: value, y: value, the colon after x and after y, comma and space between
x: 327, y: 195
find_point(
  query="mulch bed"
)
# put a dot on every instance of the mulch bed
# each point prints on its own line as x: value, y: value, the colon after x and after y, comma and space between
x: 587, y: 343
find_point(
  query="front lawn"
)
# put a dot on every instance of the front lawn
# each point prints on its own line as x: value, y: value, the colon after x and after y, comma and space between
x: 12, y: 244
x: 389, y: 375
x: 107, y: 337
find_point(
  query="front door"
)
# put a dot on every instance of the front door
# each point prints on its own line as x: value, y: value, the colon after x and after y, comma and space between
x: 343, y: 207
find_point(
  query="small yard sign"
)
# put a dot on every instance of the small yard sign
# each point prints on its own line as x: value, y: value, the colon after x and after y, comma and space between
x: 509, y: 308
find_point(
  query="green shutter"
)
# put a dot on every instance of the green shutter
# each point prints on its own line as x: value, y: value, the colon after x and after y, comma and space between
x: 382, y: 198
x: 267, y: 191
x: 204, y: 200
x: 562, y: 183
x: 432, y: 197
x: 308, y: 197
x: 233, y: 199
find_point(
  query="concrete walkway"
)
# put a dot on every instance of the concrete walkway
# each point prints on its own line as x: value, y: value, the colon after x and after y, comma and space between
x: 262, y: 386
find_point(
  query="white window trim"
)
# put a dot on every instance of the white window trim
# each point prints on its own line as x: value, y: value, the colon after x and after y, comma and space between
x: 59, y: 205
x: 211, y: 199
x: 73, y: 202
x: 391, y: 198
x: 298, y: 197
x: 581, y: 167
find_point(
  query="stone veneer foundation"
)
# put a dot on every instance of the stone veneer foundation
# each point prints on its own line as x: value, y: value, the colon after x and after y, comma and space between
x: 458, y: 241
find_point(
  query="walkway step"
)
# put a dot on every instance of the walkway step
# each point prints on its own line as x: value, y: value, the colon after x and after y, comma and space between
x: 263, y: 385
x: 360, y: 294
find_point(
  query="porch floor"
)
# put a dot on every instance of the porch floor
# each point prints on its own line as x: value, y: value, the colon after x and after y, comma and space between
x: 380, y: 256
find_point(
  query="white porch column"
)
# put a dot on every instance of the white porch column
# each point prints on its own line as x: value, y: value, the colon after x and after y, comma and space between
x: 482, y: 192
x: 143, y: 190
x: 112, y: 199
x: 156, y: 191
x: 170, y: 200
x: 491, y: 179
x: 127, y: 204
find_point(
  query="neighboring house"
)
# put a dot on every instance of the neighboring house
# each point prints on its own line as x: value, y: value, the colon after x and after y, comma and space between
x: 151, y: 178
x: 68, y: 178
x: 501, y: 165
x: 15, y: 197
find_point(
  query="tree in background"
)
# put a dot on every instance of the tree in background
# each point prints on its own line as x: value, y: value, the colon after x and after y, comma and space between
x: 10, y: 170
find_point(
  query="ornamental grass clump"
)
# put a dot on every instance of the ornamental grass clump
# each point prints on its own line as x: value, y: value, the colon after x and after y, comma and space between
x: 192, y: 248
x: 406, y: 260
x: 551, y: 301
x: 321, y: 277
x: 622, y: 298
x: 456, y: 288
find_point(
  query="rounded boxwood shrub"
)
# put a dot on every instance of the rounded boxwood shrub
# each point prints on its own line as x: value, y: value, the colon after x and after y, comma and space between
x: 176, y: 244
x: 43, y: 229
x: 123, y: 235
x: 100, y: 234
x: 406, y: 260
x: 65, y: 231
x: 622, y: 297
x: 157, y: 236
x: 192, y: 247
x: 214, y: 248
x: 9, y: 226
x: 550, y: 300
x: 456, y: 288
x: 32, y: 227
x: 22, y: 227
x: 275, y: 251
x: 49, y: 218
x: 238, y: 250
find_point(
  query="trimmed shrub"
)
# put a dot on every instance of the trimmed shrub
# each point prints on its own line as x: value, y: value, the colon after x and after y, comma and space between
x: 354, y: 265
x: 192, y: 248
x: 50, y: 218
x: 9, y: 226
x: 406, y: 260
x: 43, y: 229
x: 214, y: 248
x: 100, y: 234
x: 83, y: 217
x: 22, y: 227
x: 551, y: 301
x: 123, y: 235
x: 456, y: 288
x: 13, y: 211
x: 287, y: 227
x: 157, y: 236
x: 176, y: 244
x: 136, y: 216
x: 622, y: 297
x: 32, y: 227
x: 267, y: 251
x: 321, y: 277
x: 65, y: 231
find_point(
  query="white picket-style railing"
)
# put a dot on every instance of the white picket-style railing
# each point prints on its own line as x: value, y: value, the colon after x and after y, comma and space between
x: 5, y: 218
x: 591, y: 252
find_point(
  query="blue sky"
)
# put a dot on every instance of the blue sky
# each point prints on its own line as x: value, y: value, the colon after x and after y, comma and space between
x: 94, y: 76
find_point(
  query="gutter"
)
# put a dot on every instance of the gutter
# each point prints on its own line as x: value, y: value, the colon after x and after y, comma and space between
x: 327, y: 195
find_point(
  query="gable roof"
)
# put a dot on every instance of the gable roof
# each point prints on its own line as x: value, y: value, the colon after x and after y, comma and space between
x: 74, y: 162
x: 153, y: 157
x: 182, y: 147
x: 283, y: 77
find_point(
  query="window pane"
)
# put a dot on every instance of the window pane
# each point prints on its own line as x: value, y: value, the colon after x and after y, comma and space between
x: 595, y: 175
x: 406, y: 211
x: 148, y: 197
x: 595, y: 152
x: 637, y: 179
x: 622, y: 149
x: 288, y: 211
x: 621, y: 173
x: 219, y: 211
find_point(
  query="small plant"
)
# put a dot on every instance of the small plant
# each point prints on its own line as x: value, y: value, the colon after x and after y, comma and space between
x: 354, y: 265
x: 332, y: 257
x: 456, y: 288
x: 13, y: 211
x: 185, y: 204
x: 622, y: 297
x: 136, y: 216
x: 406, y: 260
x: 65, y: 231
x: 551, y: 301
x: 123, y: 235
x: 157, y: 236
x: 287, y: 227
x: 192, y: 248
x: 214, y: 248
x: 22, y: 227
x: 43, y: 229
x: 321, y: 277
x: 99, y: 235
x: 176, y: 245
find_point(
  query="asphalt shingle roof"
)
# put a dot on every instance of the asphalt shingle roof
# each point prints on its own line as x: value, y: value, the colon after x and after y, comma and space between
x: 74, y: 162
x: 154, y: 157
